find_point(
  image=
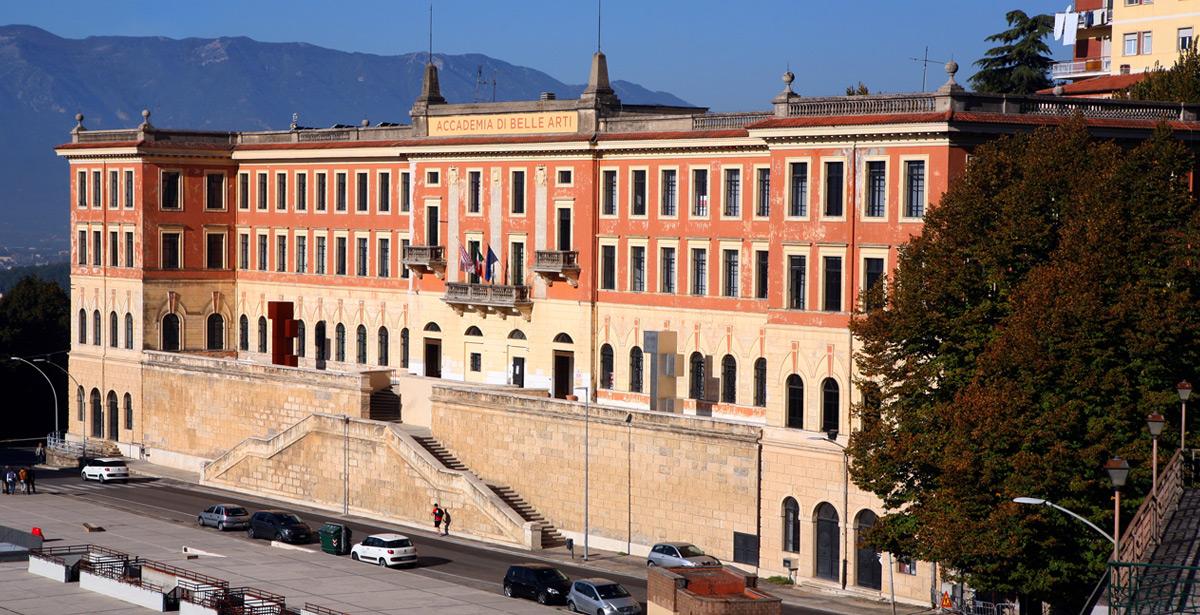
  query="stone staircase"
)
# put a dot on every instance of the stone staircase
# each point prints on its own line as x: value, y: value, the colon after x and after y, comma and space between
x: 551, y: 537
x: 385, y: 406
x: 1171, y: 582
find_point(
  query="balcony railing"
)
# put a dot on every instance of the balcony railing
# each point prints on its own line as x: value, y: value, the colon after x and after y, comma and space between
x: 557, y: 265
x: 487, y: 298
x: 424, y: 259
x: 1081, y: 68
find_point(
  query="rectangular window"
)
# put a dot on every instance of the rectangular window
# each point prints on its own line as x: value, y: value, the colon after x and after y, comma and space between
x: 302, y: 192
x: 262, y: 252
x: 360, y: 203
x: 301, y: 254
x: 171, y: 251
x: 473, y: 248
x: 81, y: 250
x: 699, y: 271
x: 114, y: 249
x: 1131, y: 44
x: 637, y: 269
x: 873, y: 274
x: 339, y: 256
x: 764, y: 193
x: 798, y: 201
x: 214, y: 191
x: 797, y: 268
x: 340, y: 197
x: 215, y: 250
x: 609, y: 207
x: 733, y: 193
x: 670, y: 193
x: 608, y: 267
x: 476, y: 362
x: 383, y: 255
x: 96, y: 188
x: 170, y: 189
x: 319, y: 264
x: 1147, y: 43
x: 1184, y: 39
x: 833, y: 284
x: 433, y: 178
x: 114, y: 185
x: 243, y: 191
x: 700, y: 192
x: 761, y: 273
x: 281, y: 253
x: 639, y: 193
x: 475, y: 191
x: 81, y: 192
x: 729, y: 262
x: 128, y: 248
x: 914, y: 182
x: 244, y: 251
x: 385, y: 192
x: 322, y: 190
x: 97, y: 248
x: 405, y: 192
x: 667, y: 275
x: 518, y: 192
x: 360, y: 263
x: 517, y: 252
x: 833, y: 189
x: 404, y: 271
x: 128, y: 189
x: 262, y: 192
x: 906, y: 565
x: 564, y: 177
x: 876, y: 188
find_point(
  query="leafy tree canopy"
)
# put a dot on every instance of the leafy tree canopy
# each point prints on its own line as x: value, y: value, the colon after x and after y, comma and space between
x: 33, y: 321
x: 1018, y: 65
x: 858, y: 90
x: 1180, y: 83
x: 1051, y: 302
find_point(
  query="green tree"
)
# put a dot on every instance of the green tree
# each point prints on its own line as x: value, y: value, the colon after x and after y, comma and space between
x: 1050, y: 303
x: 1180, y: 83
x: 34, y: 320
x: 1018, y: 65
x: 858, y: 90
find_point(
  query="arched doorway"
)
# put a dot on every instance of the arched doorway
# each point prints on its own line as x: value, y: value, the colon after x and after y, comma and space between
x: 828, y: 544
x: 606, y: 367
x: 564, y: 366
x: 795, y: 402
x: 97, y: 415
x: 433, y: 351
x: 216, y: 332
x: 830, y: 405
x: 696, y: 376
x: 170, y: 333
x: 114, y: 417
x: 322, y: 344
x: 791, y: 525
x: 868, y: 567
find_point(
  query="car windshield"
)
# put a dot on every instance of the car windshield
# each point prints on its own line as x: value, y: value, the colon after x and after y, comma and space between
x: 690, y: 551
x: 550, y: 575
x: 290, y: 518
x: 608, y: 592
x: 399, y: 543
x: 235, y: 512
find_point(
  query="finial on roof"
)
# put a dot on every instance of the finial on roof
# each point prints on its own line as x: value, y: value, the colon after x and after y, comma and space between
x: 1058, y: 90
x: 145, y: 119
x: 788, y: 78
x: 295, y: 120
x: 79, y: 122
x: 951, y: 85
x: 365, y: 122
x: 598, y: 89
x: 431, y: 90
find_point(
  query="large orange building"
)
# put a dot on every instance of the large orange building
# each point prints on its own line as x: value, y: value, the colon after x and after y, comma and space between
x: 652, y: 257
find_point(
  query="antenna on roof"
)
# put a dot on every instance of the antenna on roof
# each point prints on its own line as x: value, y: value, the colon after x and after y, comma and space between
x: 480, y: 84
x: 431, y: 31
x: 925, y: 65
x: 597, y: 25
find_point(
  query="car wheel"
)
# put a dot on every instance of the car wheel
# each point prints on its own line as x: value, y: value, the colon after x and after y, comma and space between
x: 650, y: 562
x: 220, y: 526
x: 200, y: 521
x: 278, y: 536
x: 102, y: 479
x: 354, y: 556
x: 508, y: 590
x: 542, y: 598
x: 83, y: 475
x: 571, y: 606
x: 250, y: 533
x: 382, y: 563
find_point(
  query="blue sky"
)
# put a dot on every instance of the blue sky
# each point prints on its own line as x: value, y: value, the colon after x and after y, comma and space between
x: 726, y: 54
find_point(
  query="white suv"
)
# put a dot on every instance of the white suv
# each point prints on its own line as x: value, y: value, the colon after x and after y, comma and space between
x: 105, y: 469
x: 385, y: 550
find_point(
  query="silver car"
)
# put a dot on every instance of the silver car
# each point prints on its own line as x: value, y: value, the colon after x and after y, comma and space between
x: 679, y: 554
x: 225, y: 516
x: 602, y: 597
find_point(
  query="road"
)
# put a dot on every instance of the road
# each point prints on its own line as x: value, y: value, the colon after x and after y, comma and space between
x: 480, y: 567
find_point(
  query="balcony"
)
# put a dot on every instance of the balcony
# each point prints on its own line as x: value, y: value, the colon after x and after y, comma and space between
x: 1080, y: 69
x: 425, y: 259
x: 489, y: 299
x: 557, y: 265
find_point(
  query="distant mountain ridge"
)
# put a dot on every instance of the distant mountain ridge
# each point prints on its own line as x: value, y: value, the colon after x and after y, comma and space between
x: 227, y: 83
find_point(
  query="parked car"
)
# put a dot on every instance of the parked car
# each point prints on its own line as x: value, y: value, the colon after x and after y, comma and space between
x: 385, y: 550
x: 224, y: 517
x: 279, y: 525
x: 679, y: 554
x: 105, y: 469
x: 601, y: 596
x: 545, y: 583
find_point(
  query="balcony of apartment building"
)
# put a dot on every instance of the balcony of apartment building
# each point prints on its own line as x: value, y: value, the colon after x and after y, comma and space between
x: 557, y: 265
x: 1082, y: 68
x: 1088, y: 29
x: 425, y: 259
x: 484, y: 299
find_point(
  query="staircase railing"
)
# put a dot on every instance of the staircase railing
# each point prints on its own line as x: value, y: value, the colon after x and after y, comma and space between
x: 1148, y: 524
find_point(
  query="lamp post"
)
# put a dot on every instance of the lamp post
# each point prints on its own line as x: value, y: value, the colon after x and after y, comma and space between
x: 1118, y: 471
x: 1155, y: 423
x: 76, y: 381
x: 831, y: 437
x: 1041, y: 502
x: 49, y: 382
x: 628, y: 483
x: 1184, y: 388
x: 587, y: 419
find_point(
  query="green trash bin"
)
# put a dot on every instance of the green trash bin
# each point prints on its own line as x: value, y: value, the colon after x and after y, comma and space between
x: 335, y: 538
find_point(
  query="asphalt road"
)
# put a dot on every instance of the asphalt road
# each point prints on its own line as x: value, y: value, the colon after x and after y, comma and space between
x: 465, y: 564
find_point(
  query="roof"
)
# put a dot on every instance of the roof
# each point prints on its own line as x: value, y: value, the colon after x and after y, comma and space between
x: 109, y: 459
x: 1104, y: 84
x: 389, y: 536
x: 597, y: 581
x: 534, y: 566
x: 678, y: 544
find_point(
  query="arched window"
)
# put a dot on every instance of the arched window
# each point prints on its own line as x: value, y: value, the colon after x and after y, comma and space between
x: 829, y: 405
x: 243, y: 333
x: 216, y: 332
x: 300, y: 337
x: 828, y: 549
x: 79, y: 395
x: 696, y: 383
x: 383, y: 346
x: 262, y: 333
x: 728, y: 379
x: 114, y: 330
x: 97, y: 415
x: 760, y: 382
x: 170, y: 333
x: 322, y: 343
x: 516, y: 334
x: 82, y: 326
x: 128, y: 411
x: 473, y: 331
x: 339, y: 342
x: 635, y: 370
x: 96, y: 327
x: 404, y: 347
x: 606, y: 367
x: 114, y: 416
x: 868, y: 568
x: 360, y: 344
x: 432, y: 327
x: 791, y: 525
x: 563, y: 338
x: 129, y: 330
x: 795, y: 402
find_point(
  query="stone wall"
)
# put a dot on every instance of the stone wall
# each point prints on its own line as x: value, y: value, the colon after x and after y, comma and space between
x: 659, y: 477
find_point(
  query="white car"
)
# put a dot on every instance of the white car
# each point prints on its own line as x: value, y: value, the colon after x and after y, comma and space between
x: 105, y: 469
x: 385, y: 550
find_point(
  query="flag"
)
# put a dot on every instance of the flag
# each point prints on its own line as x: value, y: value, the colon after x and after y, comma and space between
x: 464, y: 259
x: 478, y: 256
x: 491, y: 261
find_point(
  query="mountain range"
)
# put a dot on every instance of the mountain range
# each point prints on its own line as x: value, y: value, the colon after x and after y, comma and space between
x: 227, y: 83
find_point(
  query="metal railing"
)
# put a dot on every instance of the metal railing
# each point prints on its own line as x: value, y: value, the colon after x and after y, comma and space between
x: 555, y: 260
x: 1077, y: 68
x: 1153, y: 588
x: 1150, y: 520
x: 317, y: 609
x: 423, y: 255
x: 86, y: 448
x: 497, y: 295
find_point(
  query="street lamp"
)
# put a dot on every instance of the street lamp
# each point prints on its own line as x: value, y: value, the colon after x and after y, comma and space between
x: 628, y: 482
x: 76, y: 381
x: 831, y: 437
x: 587, y: 419
x: 1184, y: 388
x: 1155, y: 423
x: 1041, y: 502
x: 1118, y: 471
x: 52, y: 389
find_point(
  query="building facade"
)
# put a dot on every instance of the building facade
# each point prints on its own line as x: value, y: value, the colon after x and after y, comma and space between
x: 650, y: 257
x: 1124, y: 37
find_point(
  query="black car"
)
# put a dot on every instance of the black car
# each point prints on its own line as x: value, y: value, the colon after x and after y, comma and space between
x: 545, y: 583
x: 279, y: 525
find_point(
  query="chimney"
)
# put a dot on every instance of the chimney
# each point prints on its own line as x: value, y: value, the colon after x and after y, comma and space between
x: 548, y: 96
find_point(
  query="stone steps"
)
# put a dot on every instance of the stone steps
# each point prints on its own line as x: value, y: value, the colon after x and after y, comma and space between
x: 385, y: 406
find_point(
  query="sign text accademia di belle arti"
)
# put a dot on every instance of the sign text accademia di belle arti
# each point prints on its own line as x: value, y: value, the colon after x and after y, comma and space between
x: 504, y: 124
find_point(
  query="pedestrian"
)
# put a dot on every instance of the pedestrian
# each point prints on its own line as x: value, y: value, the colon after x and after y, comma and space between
x: 39, y: 453
x: 437, y: 518
x: 30, y: 484
x: 446, y: 522
x: 10, y: 481
x: 4, y: 479
x: 21, y: 474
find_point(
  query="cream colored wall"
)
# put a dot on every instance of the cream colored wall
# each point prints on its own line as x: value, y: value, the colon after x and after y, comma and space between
x: 104, y: 367
x: 1163, y: 18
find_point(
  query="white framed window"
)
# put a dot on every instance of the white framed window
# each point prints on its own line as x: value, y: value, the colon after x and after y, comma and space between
x: 170, y: 189
x: 170, y: 250
x: 1130, y: 44
x: 639, y: 184
x: 301, y: 191
x: 262, y: 191
x: 1184, y: 38
x: 699, y: 192
x: 564, y: 177
x: 243, y: 191
x: 214, y: 191
x: 516, y: 192
x: 609, y: 194
x: 433, y: 178
x: 668, y: 192
x: 214, y: 249
x: 384, y: 189
x: 699, y: 271
x: 667, y: 269
x: 731, y: 192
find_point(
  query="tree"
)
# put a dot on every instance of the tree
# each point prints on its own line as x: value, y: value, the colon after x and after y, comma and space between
x: 1180, y: 83
x: 859, y: 90
x: 1020, y: 63
x: 1050, y: 303
x: 34, y: 320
